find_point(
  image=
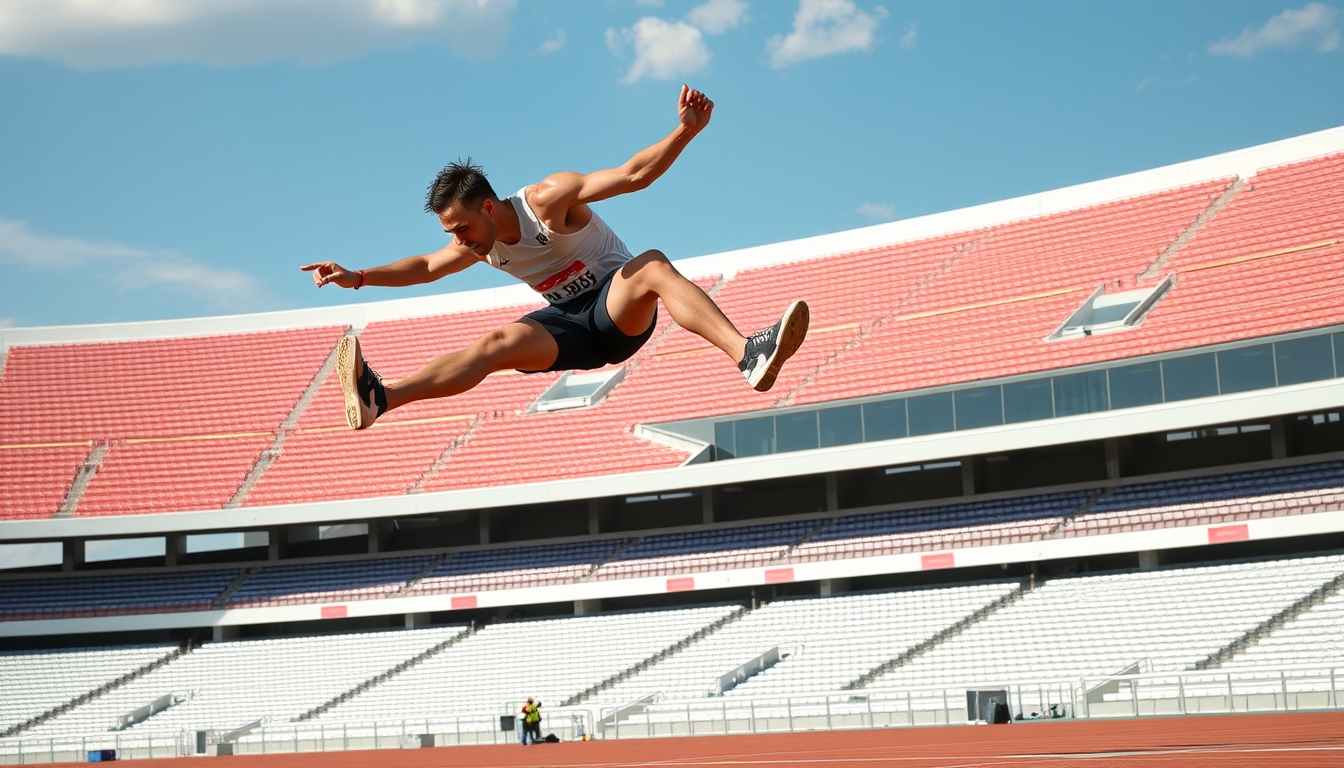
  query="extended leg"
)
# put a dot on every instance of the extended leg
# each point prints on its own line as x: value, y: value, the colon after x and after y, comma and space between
x: 524, y: 344
x: 634, y: 296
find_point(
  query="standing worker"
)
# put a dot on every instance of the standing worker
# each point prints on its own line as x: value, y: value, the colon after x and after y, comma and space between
x: 531, y: 722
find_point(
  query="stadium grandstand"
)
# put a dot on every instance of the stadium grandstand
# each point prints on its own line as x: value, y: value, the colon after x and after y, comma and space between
x: 1079, y: 453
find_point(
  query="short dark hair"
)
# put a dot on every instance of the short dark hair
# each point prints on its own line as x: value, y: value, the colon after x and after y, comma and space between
x: 459, y: 182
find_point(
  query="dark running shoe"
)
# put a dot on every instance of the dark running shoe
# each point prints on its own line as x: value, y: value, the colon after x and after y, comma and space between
x: 365, y: 397
x: 768, y: 349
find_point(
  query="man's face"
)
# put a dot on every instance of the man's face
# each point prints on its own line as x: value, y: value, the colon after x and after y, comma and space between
x: 471, y: 226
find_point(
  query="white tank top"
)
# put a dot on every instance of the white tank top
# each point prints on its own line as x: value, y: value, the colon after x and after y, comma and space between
x: 559, y: 267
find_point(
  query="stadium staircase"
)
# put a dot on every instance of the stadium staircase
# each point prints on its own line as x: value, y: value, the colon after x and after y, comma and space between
x: 439, y: 463
x: 1087, y: 506
x: 946, y: 634
x: 1297, y: 608
x: 612, y: 557
x: 96, y: 692
x: 268, y: 455
x: 405, y: 589
x: 223, y: 599
x: 635, y: 669
x: 388, y: 675
x: 784, y: 556
x: 83, y: 475
x: 1156, y: 267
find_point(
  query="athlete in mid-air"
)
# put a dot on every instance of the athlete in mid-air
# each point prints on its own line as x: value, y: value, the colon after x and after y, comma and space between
x: 603, y: 301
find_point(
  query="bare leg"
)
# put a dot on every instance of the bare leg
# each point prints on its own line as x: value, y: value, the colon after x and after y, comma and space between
x: 524, y: 344
x: 639, y: 285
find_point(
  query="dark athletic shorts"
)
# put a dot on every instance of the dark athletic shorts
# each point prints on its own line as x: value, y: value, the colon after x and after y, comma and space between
x: 586, y: 334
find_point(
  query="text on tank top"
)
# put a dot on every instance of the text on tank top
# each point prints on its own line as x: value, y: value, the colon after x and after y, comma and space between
x: 558, y: 266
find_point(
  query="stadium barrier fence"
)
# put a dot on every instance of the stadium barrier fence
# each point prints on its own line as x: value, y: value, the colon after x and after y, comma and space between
x: 1194, y: 692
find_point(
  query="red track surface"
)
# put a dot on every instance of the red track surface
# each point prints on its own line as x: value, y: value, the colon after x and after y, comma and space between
x: 1298, y: 739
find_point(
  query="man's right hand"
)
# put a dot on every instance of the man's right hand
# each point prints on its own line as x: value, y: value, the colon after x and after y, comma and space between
x: 330, y: 272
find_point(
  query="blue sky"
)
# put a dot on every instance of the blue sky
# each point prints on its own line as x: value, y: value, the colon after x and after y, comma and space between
x: 173, y: 158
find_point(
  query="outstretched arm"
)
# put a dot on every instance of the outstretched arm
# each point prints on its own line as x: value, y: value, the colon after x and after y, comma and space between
x: 411, y: 270
x: 563, y: 191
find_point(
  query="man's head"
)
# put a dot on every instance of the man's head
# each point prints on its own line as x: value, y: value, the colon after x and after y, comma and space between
x: 464, y: 201
x: 529, y: 701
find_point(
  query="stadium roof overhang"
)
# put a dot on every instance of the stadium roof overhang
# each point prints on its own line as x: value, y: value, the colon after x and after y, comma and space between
x: 1240, y: 407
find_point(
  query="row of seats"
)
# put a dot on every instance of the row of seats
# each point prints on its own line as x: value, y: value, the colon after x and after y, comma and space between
x: 1080, y: 628
x: 1213, y: 499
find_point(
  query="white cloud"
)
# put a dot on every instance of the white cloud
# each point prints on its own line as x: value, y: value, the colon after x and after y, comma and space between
x: 878, y: 211
x: 717, y: 16
x: 128, y: 269
x: 650, y: 3
x: 663, y: 49
x: 671, y: 49
x: 1312, y: 23
x: 822, y: 28
x: 554, y: 44
x: 93, y: 34
x: 909, y: 38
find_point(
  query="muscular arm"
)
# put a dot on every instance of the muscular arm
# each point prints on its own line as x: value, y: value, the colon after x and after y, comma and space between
x: 558, y: 194
x: 412, y: 270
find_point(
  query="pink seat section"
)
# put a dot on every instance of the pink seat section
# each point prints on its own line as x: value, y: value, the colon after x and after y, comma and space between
x: 170, y: 476
x: 1291, y: 206
x: 1004, y: 290
x: 331, y: 464
x: 36, y: 479
x: 397, y: 452
x: 246, y: 382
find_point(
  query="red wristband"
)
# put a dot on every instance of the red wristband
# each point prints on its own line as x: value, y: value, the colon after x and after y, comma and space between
x: 361, y: 280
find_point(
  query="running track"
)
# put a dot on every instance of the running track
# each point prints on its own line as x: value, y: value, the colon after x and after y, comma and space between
x: 1297, y: 739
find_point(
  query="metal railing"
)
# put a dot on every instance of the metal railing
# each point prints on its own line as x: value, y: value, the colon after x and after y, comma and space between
x: 1268, y: 689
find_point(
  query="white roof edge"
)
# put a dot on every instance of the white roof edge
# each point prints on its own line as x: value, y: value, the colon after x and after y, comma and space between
x: 1242, y: 162
x: 1185, y: 414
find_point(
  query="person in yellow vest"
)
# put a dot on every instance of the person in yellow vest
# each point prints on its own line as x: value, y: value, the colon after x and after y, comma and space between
x: 531, y: 722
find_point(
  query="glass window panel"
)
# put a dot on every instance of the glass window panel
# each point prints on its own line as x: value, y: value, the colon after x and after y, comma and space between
x: 930, y: 414
x: 1135, y: 385
x: 1080, y: 393
x: 756, y: 437
x: 1189, y: 377
x: 840, y: 426
x: 1241, y: 370
x: 1112, y: 314
x: 1302, y: 360
x: 796, y: 431
x: 723, y: 441
x: 884, y: 420
x: 979, y: 407
x: 1339, y: 355
x: 1027, y: 401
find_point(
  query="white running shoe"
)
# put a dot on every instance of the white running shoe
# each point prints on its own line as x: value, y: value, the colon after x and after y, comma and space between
x: 365, y: 397
x: 768, y: 349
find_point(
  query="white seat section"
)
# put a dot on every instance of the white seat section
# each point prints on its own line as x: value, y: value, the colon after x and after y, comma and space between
x: 837, y: 639
x: 236, y: 682
x: 39, y: 681
x: 1312, y: 637
x: 1099, y: 625
x: 549, y: 659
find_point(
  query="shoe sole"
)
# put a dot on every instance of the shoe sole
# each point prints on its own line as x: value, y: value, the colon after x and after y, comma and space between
x: 347, y: 361
x: 792, y: 333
